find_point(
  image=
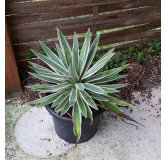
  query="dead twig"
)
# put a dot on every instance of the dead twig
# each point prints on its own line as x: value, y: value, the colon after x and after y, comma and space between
x: 69, y: 114
x: 48, y: 139
x: 91, y: 117
x: 121, y: 116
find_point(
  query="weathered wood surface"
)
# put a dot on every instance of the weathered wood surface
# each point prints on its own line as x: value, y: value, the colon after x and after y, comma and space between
x: 95, y: 13
x: 50, y: 6
x: 22, y: 49
x: 153, y: 18
x: 13, y: 1
x: 43, y: 16
x: 127, y: 45
x: 73, y: 11
x: 43, y: 31
x: 12, y: 80
x: 63, y: 2
x: 26, y: 13
x: 24, y: 65
x: 47, y: 35
x: 128, y: 5
x: 129, y: 34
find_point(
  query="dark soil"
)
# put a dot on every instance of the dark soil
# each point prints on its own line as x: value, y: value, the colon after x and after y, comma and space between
x: 29, y: 95
x: 140, y: 78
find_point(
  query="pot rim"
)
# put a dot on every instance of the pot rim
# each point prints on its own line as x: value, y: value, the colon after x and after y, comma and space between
x: 68, y: 118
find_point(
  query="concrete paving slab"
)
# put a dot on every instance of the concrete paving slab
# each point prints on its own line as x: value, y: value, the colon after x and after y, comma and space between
x: 31, y: 136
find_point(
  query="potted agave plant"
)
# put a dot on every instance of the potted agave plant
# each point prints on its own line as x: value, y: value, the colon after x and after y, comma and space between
x: 76, y: 94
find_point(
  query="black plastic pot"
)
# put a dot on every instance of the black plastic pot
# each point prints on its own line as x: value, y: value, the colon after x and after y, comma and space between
x: 64, y: 126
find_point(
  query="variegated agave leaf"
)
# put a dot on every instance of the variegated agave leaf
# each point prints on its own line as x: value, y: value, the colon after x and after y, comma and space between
x: 74, y: 82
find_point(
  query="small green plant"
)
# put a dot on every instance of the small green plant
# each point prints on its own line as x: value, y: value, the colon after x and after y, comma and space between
x: 154, y: 47
x: 151, y: 50
x: 138, y: 46
x: 135, y: 52
x: 146, y: 55
x: 131, y: 49
x: 140, y: 57
x: 75, y: 83
x: 120, y: 58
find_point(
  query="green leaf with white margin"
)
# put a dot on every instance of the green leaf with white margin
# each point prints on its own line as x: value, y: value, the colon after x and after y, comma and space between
x: 117, y: 101
x: 45, y: 98
x: 89, y: 111
x: 112, y: 107
x: 109, y: 73
x: 55, y: 66
x: 114, y: 95
x: 73, y: 74
x: 84, y: 53
x: 75, y: 56
x: 110, y: 90
x: 40, y: 71
x: 65, y: 108
x: 108, y: 55
x: 113, y: 86
x: 62, y: 104
x: 99, y: 64
x: 61, y: 98
x: 49, y: 100
x: 55, y: 76
x: 74, y: 61
x: 108, y: 79
x: 97, y: 96
x: 40, y: 87
x: 73, y: 96
x: 103, y: 75
x: 77, y: 120
x: 60, y: 86
x: 62, y: 55
x: 63, y: 42
x: 80, y: 86
x: 94, y: 88
x: 52, y: 75
x: 44, y: 78
x: 88, y: 99
x: 91, y: 53
x: 52, y: 55
x: 124, y: 66
x: 39, y: 68
x: 82, y: 106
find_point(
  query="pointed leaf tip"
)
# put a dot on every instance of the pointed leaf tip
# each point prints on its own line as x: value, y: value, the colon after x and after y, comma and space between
x: 77, y: 120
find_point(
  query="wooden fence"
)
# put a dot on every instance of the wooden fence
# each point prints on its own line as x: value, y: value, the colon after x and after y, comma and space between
x: 12, y: 80
x: 30, y: 22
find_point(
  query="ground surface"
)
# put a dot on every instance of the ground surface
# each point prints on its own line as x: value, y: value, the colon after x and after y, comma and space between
x: 30, y: 134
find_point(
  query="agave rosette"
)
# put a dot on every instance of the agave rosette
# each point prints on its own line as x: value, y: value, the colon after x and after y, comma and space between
x: 74, y: 82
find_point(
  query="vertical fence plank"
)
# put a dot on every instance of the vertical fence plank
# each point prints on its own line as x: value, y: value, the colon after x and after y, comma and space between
x: 95, y: 12
x: 12, y: 81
